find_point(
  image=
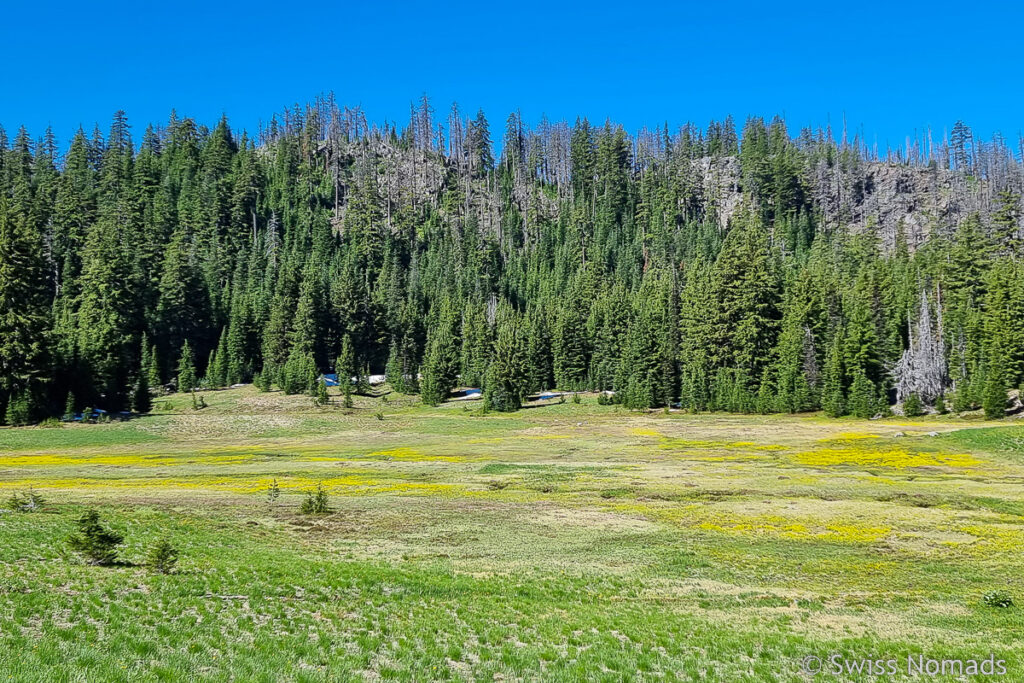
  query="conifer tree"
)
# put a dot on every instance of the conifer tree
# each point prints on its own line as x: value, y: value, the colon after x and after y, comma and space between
x: 507, y: 376
x: 863, y: 396
x: 570, y: 347
x: 217, y: 370
x: 142, y: 402
x: 441, y: 361
x: 833, y: 397
x: 153, y: 377
x: 994, y: 399
x: 23, y: 313
x: 186, y: 369
x: 345, y: 367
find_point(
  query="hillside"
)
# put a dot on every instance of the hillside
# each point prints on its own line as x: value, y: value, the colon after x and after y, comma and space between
x: 753, y: 270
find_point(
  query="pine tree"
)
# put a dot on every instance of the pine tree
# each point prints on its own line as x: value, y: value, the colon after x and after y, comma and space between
x: 345, y: 367
x: 1006, y: 222
x: 570, y: 344
x: 153, y: 368
x: 539, y: 360
x: 19, y: 410
x: 648, y: 360
x: 300, y: 374
x: 142, y: 402
x: 833, y: 398
x: 23, y: 308
x: 994, y: 400
x: 863, y: 396
x: 186, y: 369
x: 476, y: 345
x: 441, y: 361
x: 217, y: 370
x: 507, y: 376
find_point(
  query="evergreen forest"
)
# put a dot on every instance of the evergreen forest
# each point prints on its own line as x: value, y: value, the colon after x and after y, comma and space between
x: 734, y: 267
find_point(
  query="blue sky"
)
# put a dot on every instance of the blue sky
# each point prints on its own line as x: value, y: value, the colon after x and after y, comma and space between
x: 892, y: 67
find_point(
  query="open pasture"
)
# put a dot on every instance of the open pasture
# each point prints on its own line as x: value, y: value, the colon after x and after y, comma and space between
x: 563, y: 542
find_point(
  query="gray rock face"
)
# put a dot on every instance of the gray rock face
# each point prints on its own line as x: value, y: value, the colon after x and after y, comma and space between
x: 920, y: 201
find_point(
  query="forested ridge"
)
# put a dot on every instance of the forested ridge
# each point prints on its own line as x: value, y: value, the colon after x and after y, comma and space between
x: 751, y: 270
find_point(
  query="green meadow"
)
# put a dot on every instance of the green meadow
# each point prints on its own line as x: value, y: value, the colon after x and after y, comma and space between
x: 563, y: 542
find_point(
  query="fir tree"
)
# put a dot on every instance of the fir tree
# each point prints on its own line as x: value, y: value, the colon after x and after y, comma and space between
x: 863, y: 397
x: 441, y: 361
x: 833, y: 397
x: 507, y: 376
x: 142, y: 402
x: 186, y: 369
x: 994, y: 400
x: 345, y: 367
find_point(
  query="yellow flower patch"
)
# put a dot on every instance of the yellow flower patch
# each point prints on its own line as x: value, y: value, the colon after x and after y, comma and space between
x: 687, y: 444
x: 534, y: 437
x: 992, y: 539
x: 344, y: 485
x: 412, y: 455
x: 897, y: 458
x: 779, y: 528
x: 849, y: 436
x: 132, y: 460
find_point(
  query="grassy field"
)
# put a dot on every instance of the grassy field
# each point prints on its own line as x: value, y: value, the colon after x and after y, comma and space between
x: 563, y: 542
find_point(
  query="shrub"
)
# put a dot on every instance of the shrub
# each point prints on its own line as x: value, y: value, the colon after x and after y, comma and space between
x: 262, y: 381
x: 997, y: 598
x: 380, y: 415
x: 912, y: 406
x: 25, y: 502
x: 273, y: 492
x: 576, y: 398
x: 19, y: 411
x: 162, y: 557
x: 320, y: 397
x: 315, y: 502
x: 97, y: 544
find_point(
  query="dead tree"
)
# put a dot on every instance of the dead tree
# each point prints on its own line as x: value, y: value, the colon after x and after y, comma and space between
x: 921, y: 369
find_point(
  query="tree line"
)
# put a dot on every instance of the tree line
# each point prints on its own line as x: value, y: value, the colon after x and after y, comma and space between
x: 578, y: 257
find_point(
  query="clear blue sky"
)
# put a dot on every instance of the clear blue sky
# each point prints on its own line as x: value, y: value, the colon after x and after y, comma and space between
x: 893, y: 67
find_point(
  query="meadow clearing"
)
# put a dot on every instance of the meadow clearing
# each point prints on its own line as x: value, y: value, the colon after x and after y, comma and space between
x: 563, y: 542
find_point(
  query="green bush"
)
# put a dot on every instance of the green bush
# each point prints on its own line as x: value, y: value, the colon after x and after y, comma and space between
x: 912, y: 406
x: 25, y: 502
x: 997, y: 598
x: 162, y: 557
x: 315, y: 502
x: 320, y: 396
x: 19, y: 410
x: 97, y: 544
x: 262, y: 381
